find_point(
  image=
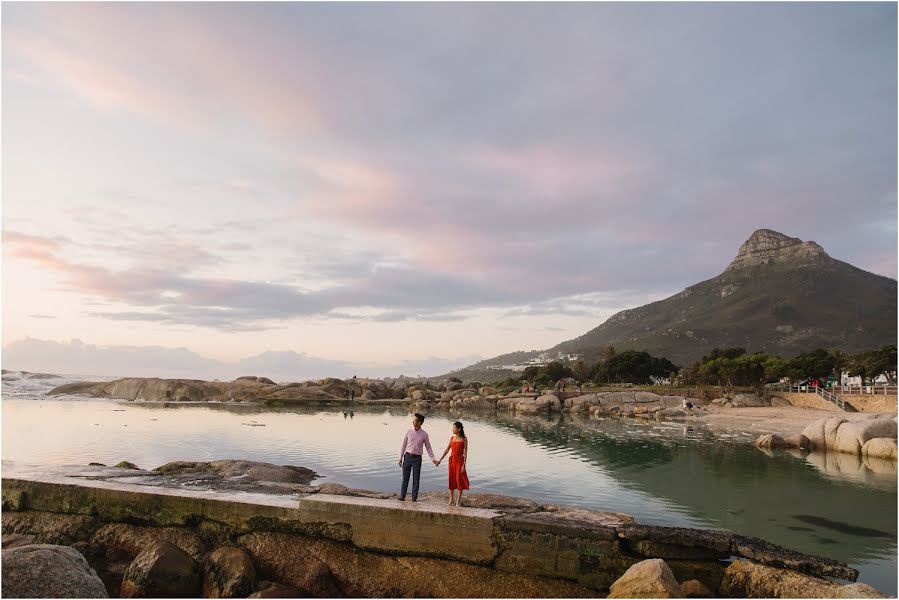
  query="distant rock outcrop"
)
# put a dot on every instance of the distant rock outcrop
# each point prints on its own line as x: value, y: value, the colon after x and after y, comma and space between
x: 766, y: 246
x: 250, y: 389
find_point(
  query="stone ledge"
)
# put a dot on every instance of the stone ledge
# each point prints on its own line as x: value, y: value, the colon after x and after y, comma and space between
x: 587, y: 547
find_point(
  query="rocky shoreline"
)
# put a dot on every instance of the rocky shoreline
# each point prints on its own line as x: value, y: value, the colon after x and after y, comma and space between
x: 747, y: 413
x: 232, y: 529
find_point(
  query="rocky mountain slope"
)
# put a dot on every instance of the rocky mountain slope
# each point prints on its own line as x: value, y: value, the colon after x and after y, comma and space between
x: 779, y: 295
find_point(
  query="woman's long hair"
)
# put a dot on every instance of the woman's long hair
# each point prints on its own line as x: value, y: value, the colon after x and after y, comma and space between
x: 461, y: 429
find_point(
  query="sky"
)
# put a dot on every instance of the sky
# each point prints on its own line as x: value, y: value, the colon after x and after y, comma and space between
x: 324, y: 189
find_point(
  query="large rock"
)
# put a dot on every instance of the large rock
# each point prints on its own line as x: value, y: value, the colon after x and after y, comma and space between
x: 746, y: 579
x: 475, y: 402
x: 228, y: 573
x: 853, y: 435
x: 581, y: 404
x: 245, y: 475
x: 269, y: 589
x: 620, y: 398
x: 796, y: 440
x: 775, y: 441
x: 749, y: 400
x: 320, y: 568
x: 162, y: 570
x: 133, y: 539
x: 822, y: 433
x: 545, y: 403
x: 695, y: 589
x: 771, y: 441
x: 880, y: 448
x: 46, y: 571
x: 672, y: 412
x: 17, y: 540
x: 647, y: 398
x: 647, y: 579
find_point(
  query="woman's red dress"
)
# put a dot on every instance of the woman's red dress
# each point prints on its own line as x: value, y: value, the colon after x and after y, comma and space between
x: 458, y: 479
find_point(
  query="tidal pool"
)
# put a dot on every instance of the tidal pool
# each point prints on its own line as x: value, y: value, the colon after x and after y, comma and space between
x: 662, y: 473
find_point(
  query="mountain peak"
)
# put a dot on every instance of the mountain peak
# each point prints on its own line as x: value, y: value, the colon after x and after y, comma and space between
x: 765, y: 246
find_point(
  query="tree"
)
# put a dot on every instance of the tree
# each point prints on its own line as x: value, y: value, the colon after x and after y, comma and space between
x: 728, y: 369
x: 775, y: 369
x: 662, y: 367
x: 888, y: 356
x: 634, y: 367
x: 690, y: 374
x: 840, y: 360
x: 607, y: 352
x: 530, y: 373
x: 882, y: 362
x: 858, y: 366
x: 723, y: 353
x: 579, y: 370
x: 817, y: 364
x: 556, y: 371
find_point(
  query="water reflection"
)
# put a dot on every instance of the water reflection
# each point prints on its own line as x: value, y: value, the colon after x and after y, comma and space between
x: 661, y: 472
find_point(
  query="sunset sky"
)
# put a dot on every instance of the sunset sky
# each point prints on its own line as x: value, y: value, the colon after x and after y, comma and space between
x: 389, y: 188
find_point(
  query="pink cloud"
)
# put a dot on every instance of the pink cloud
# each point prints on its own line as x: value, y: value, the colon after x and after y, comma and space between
x: 35, y: 249
x: 102, y: 86
x: 104, y: 56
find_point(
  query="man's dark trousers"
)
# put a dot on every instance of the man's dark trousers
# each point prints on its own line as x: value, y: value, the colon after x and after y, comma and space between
x: 411, y: 464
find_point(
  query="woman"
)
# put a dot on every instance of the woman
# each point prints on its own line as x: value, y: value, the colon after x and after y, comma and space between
x: 458, y: 478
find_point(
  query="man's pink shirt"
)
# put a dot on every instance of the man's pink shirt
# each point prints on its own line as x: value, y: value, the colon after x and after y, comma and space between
x: 413, y: 442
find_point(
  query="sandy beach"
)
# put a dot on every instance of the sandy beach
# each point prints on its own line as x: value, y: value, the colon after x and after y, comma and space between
x: 783, y: 420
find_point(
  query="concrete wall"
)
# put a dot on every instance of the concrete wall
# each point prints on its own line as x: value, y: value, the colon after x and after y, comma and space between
x: 871, y: 403
x: 370, y: 547
x: 807, y: 401
x: 860, y: 402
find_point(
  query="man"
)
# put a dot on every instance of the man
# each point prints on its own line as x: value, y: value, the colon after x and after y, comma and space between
x: 410, y: 456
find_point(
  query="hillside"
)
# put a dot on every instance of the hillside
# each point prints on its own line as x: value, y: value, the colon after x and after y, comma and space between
x: 779, y: 295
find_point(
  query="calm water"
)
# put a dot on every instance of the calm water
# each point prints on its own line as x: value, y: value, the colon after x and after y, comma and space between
x: 663, y: 473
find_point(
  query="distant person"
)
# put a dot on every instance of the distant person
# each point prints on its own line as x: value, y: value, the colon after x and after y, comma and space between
x: 577, y: 386
x: 687, y: 405
x: 410, y: 456
x: 458, y: 477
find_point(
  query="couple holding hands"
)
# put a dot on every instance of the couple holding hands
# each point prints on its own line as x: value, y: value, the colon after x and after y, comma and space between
x: 410, y: 459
